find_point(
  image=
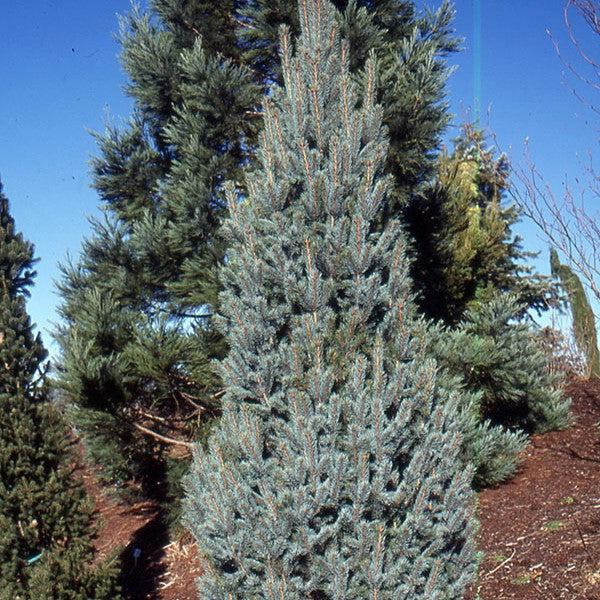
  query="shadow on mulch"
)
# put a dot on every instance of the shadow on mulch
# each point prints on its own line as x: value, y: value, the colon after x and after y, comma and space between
x: 142, y: 561
x: 167, y: 564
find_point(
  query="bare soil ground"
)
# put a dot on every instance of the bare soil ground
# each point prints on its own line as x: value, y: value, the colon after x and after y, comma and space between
x: 540, y: 532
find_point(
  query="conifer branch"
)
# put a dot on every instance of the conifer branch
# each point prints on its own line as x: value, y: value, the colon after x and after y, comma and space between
x: 163, y: 438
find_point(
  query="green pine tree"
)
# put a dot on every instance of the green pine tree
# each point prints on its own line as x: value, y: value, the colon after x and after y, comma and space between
x: 334, y: 471
x: 584, y: 320
x: 45, y: 521
x: 464, y: 249
x: 498, y: 362
x: 136, y: 338
x: 491, y: 448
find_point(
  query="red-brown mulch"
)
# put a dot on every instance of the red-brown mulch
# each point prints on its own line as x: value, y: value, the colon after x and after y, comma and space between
x: 166, y: 569
x: 540, y: 532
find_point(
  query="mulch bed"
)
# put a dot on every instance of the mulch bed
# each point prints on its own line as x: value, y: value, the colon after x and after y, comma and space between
x: 164, y: 568
x: 540, y: 532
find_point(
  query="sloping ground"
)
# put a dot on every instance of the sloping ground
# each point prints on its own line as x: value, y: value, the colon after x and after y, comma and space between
x: 540, y: 532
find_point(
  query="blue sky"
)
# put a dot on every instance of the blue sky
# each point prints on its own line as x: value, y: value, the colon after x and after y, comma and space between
x: 61, y: 78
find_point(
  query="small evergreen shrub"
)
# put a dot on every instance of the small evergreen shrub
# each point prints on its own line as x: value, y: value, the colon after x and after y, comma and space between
x: 492, y: 449
x: 500, y: 361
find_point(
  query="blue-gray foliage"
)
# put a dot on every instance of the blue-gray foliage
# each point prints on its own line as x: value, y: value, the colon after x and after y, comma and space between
x: 509, y: 392
x: 334, y: 472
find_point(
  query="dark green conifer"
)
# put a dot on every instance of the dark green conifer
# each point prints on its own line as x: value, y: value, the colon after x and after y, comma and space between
x: 334, y: 470
x: 136, y: 335
x: 584, y: 320
x: 45, y: 521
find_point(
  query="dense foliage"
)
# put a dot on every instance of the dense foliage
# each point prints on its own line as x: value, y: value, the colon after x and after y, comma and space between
x: 288, y: 259
x: 334, y: 471
x: 464, y: 250
x: 136, y: 335
x: 500, y: 360
x: 45, y: 522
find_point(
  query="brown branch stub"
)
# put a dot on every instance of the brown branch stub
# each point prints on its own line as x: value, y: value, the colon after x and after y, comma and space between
x: 163, y: 438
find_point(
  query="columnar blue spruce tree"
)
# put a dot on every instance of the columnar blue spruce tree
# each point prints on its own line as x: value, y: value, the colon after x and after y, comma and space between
x: 45, y: 522
x: 334, y: 472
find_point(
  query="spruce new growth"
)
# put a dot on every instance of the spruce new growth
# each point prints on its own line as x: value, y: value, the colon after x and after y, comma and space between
x: 335, y: 471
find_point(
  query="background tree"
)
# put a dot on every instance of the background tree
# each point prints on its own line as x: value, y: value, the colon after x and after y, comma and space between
x: 45, y: 521
x: 136, y: 335
x: 334, y: 471
x: 500, y: 361
x: 491, y: 449
x: 464, y: 249
x: 584, y: 321
x: 465, y: 261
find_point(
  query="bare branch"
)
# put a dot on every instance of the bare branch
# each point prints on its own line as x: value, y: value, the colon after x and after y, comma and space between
x: 569, y: 222
x: 163, y: 438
